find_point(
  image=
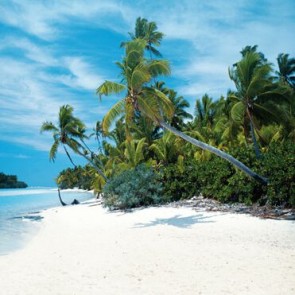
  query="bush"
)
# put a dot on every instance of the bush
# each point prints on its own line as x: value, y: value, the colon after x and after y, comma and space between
x: 279, y: 166
x: 214, y: 178
x: 218, y: 179
x: 179, y: 185
x: 133, y: 188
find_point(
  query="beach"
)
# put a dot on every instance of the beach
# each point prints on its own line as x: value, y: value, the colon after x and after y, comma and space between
x: 86, y: 249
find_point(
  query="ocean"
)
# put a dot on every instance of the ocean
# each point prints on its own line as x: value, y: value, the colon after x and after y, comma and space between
x: 20, y: 212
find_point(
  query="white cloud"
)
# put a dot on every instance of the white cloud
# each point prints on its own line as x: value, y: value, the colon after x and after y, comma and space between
x: 31, y: 51
x: 82, y: 74
x: 203, y: 38
x: 42, y: 19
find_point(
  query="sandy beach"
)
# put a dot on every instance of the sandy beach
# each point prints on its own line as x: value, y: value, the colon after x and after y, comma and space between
x: 86, y: 249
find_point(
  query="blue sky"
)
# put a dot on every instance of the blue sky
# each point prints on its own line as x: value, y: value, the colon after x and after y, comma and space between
x: 58, y: 52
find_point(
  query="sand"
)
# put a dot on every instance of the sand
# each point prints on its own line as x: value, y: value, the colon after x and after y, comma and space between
x: 84, y: 250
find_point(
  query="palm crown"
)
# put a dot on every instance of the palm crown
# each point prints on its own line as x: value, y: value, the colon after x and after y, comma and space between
x: 136, y: 73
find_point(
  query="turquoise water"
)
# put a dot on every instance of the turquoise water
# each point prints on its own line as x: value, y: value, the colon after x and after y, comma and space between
x: 19, y: 212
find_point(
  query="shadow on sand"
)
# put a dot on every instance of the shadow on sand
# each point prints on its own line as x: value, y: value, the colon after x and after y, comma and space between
x: 178, y: 221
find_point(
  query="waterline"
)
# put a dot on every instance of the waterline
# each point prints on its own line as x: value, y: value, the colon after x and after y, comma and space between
x: 20, y: 212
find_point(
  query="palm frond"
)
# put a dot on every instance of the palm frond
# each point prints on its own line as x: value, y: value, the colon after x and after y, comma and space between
x: 140, y: 75
x: 48, y: 126
x: 53, y: 150
x: 116, y: 110
x: 238, y: 112
x: 159, y: 68
x: 109, y: 87
x: 139, y: 151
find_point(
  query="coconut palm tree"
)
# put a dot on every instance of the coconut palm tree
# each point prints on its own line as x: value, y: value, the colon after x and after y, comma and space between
x: 70, y: 132
x: 286, y: 71
x: 257, y: 95
x: 141, y: 99
x: 147, y: 31
x: 64, y: 133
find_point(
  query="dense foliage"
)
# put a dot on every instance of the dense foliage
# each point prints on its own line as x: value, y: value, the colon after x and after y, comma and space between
x: 78, y: 177
x: 133, y: 188
x: 10, y: 181
x: 215, y: 178
x: 254, y: 123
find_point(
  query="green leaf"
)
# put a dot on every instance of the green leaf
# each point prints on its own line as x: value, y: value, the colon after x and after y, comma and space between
x: 112, y: 114
x: 238, y: 112
x: 109, y: 87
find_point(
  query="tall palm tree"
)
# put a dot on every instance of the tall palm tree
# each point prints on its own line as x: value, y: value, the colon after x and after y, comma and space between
x: 140, y: 98
x: 147, y: 31
x: 70, y: 132
x: 286, y: 71
x: 257, y: 94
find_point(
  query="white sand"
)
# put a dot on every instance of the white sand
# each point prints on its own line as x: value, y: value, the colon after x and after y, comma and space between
x: 83, y: 250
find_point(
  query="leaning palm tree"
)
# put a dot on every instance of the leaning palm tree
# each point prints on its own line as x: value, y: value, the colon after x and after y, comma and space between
x: 70, y: 132
x: 142, y: 99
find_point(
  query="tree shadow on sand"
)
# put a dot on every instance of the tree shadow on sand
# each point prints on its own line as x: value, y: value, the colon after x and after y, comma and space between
x: 178, y: 221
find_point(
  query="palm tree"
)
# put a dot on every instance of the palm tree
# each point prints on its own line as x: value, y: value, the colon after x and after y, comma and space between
x: 205, y: 111
x: 64, y: 133
x: 141, y: 99
x: 147, y: 31
x: 69, y: 132
x: 257, y: 94
x: 286, y: 71
x: 166, y: 149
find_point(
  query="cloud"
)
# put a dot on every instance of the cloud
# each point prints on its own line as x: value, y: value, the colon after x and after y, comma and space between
x: 43, y: 19
x: 40, y: 71
x: 82, y: 74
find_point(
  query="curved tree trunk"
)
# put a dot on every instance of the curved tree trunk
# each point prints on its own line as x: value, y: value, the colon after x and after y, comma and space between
x: 70, y: 158
x: 217, y: 152
x: 60, y: 199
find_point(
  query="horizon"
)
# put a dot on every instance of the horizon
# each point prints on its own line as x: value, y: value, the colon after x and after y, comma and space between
x: 59, y: 53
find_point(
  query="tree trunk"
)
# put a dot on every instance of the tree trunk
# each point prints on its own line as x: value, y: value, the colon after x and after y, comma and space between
x: 59, y: 196
x: 215, y: 151
x: 69, y: 155
x: 252, y: 131
x: 255, y: 143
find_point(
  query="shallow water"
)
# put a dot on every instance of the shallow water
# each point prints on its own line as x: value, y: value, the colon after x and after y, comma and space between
x: 19, y: 212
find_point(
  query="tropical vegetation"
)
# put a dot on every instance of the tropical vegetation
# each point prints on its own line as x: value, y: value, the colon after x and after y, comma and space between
x: 11, y: 181
x: 150, y: 149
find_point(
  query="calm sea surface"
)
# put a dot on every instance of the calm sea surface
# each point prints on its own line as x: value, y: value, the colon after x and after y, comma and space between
x: 19, y: 212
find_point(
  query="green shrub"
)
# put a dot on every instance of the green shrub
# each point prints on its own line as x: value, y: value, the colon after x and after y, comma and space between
x: 279, y: 166
x: 133, y: 188
x: 178, y: 184
x: 222, y: 181
x: 218, y: 179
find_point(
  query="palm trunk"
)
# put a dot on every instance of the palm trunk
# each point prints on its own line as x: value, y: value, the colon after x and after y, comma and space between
x: 252, y: 131
x: 71, y: 160
x: 59, y: 196
x: 215, y: 151
x: 255, y: 143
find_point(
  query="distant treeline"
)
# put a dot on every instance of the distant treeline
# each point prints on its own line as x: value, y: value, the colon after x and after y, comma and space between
x: 10, y: 181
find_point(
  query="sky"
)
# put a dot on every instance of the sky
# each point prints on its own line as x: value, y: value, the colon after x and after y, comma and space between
x: 58, y: 52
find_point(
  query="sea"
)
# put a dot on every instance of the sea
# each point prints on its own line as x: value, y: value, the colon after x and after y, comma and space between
x: 20, y: 212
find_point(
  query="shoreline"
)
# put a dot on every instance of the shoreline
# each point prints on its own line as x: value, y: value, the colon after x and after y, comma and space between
x: 86, y: 249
